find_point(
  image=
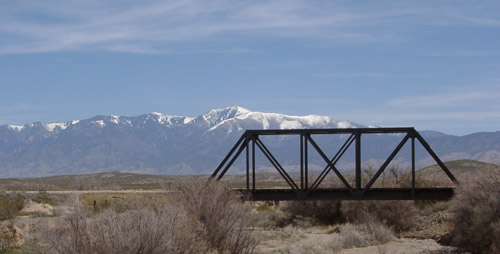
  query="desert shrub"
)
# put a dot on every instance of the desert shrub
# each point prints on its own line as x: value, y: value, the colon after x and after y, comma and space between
x: 352, y: 236
x: 151, y: 229
x: 227, y: 224
x: 399, y: 215
x: 8, y: 238
x: 368, y: 232
x: 273, y: 218
x: 475, y: 216
x: 324, y: 211
x: 197, y: 218
x: 495, y: 244
x: 10, y: 205
x: 378, y: 232
x: 42, y: 197
x: 426, y: 208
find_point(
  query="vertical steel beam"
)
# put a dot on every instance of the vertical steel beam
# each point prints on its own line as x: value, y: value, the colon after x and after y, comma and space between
x: 253, y: 161
x: 302, y: 162
x: 247, y: 141
x: 306, y: 164
x: 358, y: 161
x: 413, y: 166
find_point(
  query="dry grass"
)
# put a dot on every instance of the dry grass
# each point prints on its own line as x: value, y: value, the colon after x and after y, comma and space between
x: 370, y: 232
x: 156, y: 228
x: 476, y: 215
x: 227, y: 223
x: 200, y: 218
x: 399, y: 215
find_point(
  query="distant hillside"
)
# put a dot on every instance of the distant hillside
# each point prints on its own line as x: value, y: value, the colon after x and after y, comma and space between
x: 98, y: 181
x: 121, y: 181
x: 463, y: 170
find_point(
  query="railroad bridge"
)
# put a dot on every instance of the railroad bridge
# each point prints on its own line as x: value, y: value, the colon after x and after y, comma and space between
x: 302, y: 189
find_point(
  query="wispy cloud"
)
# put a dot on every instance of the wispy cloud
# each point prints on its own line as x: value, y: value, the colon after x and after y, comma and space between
x: 154, y: 27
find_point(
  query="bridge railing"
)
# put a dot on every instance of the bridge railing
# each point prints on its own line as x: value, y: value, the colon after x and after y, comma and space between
x: 303, y: 190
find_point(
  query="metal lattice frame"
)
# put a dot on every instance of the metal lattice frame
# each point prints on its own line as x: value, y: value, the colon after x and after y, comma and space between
x: 305, y: 191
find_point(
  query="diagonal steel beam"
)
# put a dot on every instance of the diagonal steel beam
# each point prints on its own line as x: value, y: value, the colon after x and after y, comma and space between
x: 318, y: 149
x: 435, y: 157
x: 228, y: 156
x: 386, y: 163
x: 334, y: 161
x: 276, y: 164
x: 242, y: 147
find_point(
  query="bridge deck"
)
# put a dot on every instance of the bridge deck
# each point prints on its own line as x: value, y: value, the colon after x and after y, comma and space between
x: 344, y: 194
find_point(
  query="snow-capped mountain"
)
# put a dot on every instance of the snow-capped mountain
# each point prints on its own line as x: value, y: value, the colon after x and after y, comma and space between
x: 166, y: 144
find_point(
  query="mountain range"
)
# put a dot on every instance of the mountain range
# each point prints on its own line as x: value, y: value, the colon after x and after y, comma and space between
x: 164, y: 144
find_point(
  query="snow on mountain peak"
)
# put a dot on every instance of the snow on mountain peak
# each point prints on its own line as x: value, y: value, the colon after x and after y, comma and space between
x: 169, y: 119
x: 240, y: 118
x: 188, y: 119
x: 232, y: 118
x: 115, y: 119
x: 52, y: 126
x: 100, y: 123
x: 16, y: 128
x: 228, y: 112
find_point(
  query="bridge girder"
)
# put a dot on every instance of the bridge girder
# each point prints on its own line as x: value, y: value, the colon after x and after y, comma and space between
x: 303, y: 190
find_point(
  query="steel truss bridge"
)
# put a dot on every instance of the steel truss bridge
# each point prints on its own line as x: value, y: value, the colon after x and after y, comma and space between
x: 303, y: 190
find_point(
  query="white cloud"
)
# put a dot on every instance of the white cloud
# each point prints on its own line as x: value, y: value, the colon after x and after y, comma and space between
x: 159, y: 26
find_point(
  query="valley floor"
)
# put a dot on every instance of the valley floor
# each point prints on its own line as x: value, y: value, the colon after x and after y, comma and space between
x: 307, y: 241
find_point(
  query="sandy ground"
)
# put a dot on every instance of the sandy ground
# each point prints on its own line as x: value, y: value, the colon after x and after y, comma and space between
x: 298, y: 241
x: 33, y: 207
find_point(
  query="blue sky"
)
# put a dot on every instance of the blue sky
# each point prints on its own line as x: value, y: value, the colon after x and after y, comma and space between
x: 429, y: 64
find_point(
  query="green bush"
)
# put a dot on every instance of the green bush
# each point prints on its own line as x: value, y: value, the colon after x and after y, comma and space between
x: 10, y: 205
x: 42, y: 197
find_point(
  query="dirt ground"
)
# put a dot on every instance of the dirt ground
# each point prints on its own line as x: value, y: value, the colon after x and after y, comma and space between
x: 314, y: 240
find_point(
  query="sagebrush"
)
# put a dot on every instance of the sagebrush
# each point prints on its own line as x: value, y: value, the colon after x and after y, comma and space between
x: 476, y: 215
x: 196, y: 218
